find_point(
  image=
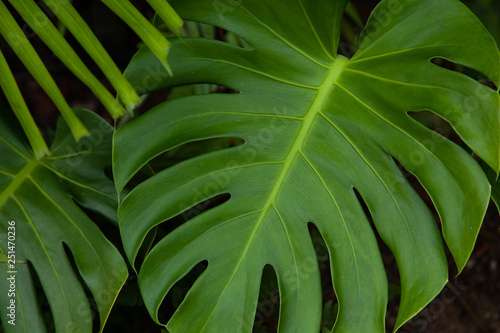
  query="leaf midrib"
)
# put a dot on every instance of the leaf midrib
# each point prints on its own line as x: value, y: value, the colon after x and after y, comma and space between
x: 307, y: 121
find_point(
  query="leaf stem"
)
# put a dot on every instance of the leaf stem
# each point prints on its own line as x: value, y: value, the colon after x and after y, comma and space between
x: 15, y: 37
x: 168, y: 15
x: 49, y: 34
x: 16, y: 101
x: 153, y: 38
x: 84, y: 35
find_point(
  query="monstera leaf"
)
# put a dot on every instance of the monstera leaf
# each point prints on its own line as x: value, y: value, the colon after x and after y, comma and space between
x: 40, y: 201
x: 319, y: 131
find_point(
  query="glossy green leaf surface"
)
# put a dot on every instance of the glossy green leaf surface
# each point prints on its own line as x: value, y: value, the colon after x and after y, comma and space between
x: 44, y: 198
x: 318, y: 128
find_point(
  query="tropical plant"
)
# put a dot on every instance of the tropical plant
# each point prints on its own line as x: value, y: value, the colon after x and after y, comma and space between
x: 54, y: 241
x: 36, y: 17
x: 47, y: 240
x: 283, y: 143
x: 321, y: 135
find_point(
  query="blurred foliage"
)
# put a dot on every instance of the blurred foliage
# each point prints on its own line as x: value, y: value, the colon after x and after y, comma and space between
x: 488, y: 11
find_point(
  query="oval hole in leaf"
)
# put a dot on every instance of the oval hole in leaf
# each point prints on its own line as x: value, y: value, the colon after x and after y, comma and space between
x: 182, y: 153
x: 437, y: 124
x: 199, y: 89
x: 43, y: 302
x: 170, y: 225
x: 268, y: 306
x: 387, y: 256
x: 197, y: 29
x: 330, y: 302
x: 91, y: 302
x: 192, y: 149
x: 103, y: 217
x: 407, y: 176
x: 176, y: 294
x: 472, y: 73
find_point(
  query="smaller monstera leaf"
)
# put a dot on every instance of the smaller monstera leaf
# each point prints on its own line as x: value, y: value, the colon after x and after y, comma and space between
x: 320, y: 132
x: 44, y: 199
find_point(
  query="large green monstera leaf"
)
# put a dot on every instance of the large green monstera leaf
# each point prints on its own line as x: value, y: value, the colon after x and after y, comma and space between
x: 318, y: 130
x: 40, y: 200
